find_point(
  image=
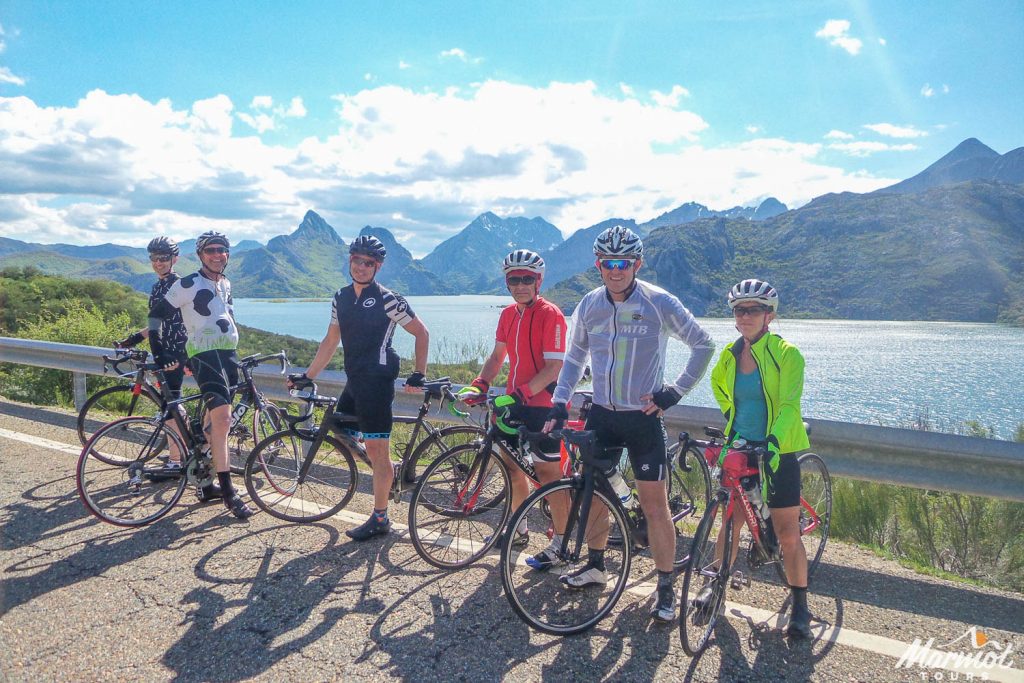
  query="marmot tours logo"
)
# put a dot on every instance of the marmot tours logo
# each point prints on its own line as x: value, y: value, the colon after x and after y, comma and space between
x: 971, y: 657
x: 369, y: 302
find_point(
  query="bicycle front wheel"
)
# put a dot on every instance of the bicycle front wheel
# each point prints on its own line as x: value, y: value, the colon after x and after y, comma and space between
x: 452, y: 519
x: 815, y: 512
x: 274, y: 482
x: 437, y: 444
x: 689, y: 494
x: 539, y: 597
x: 702, y: 597
x: 112, y: 403
x: 119, y: 476
x: 249, y: 431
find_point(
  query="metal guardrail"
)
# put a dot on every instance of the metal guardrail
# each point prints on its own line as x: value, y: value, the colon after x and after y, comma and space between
x: 927, y: 460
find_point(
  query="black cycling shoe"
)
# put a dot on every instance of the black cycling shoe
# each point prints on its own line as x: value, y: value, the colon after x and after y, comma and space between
x: 799, y: 624
x: 370, y: 528
x: 209, y: 493
x: 238, y: 507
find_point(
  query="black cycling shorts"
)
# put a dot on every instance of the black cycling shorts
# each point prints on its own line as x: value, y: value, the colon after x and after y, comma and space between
x: 533, y: 418
x: 215, y: 371
x: 643, y: 435
x: 369, y: 398
x: 784, y: 483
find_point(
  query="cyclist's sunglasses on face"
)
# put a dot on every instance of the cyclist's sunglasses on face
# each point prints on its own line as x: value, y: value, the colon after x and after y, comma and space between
x: 616, y: 263
x: 364, y: 262
x: 514, y: 280
x: 210, y: 251
x: 750, y: 310
x: 160, y: 258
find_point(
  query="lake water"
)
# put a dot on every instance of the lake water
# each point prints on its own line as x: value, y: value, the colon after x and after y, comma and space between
x: 888, y: 373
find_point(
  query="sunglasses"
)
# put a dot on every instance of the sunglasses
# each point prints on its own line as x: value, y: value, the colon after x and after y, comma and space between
x: 514, y: 280
x: 616, y: 263
x: 364, y: 262
x: 155, y: 258
x: 750, y: 310
x: 216, y: 250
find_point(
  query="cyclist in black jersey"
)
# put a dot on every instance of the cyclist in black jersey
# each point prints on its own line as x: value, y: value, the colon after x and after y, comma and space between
x: 363, y: 319
x: 163, y: 255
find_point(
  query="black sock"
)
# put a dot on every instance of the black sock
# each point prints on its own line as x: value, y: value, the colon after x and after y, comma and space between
x: 595, y: 558
x: 665, y: 579
x: 227, y: 489
x: 799, y: 598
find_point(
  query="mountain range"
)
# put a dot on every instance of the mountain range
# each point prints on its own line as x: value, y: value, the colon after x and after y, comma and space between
x: 943, y: 244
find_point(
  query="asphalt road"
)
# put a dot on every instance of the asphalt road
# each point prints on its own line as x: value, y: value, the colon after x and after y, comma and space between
x: 200, y: 596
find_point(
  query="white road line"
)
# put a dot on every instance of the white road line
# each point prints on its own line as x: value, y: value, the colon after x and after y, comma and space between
x: 843, y: 636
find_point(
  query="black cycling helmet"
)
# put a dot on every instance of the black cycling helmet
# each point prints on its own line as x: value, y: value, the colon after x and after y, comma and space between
x: 211, y: 237
x: 163, y: 246
x: 368, y: 245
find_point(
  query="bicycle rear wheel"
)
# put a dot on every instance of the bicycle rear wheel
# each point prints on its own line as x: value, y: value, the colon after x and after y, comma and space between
x: 815, y: 512
x: 273, y: 482
x: 437, y: 444
x: 118, y: 474
x: 705, y: 581
x: 249, y: 431
x: 111, y: 403
x: 689, y: 494
x: 452, y: 522
x: 539, y: 597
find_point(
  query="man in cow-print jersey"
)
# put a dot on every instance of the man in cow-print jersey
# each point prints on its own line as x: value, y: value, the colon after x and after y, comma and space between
x: 204, y: 299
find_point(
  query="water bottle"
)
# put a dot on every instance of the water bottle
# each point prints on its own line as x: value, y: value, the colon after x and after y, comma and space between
x: 238, y: 412
x: 752, y: 485
x: 621, y: 488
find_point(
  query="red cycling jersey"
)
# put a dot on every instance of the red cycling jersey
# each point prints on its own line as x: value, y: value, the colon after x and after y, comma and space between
x: 531, y: 336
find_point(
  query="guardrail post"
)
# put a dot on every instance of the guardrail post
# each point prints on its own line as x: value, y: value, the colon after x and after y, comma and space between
x: 78, y: 380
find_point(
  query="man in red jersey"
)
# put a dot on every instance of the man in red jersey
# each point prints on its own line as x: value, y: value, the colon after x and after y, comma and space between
x: 531, y: 333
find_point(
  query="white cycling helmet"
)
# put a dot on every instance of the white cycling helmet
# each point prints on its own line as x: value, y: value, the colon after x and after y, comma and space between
x: 754, y: 290
x: 523, y: 259
x: 619, y: 240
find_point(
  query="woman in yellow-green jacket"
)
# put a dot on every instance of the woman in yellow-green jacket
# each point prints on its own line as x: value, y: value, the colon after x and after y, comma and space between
x: 758, y: 381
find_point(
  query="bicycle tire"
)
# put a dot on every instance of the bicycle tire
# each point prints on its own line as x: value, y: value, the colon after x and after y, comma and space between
x: 538, y: 597
x: 816, y: 493
x: 111, y: 403
x: 435, y: 445
x: 252, y: 428
x: 328, y: 486
x: 697, y: 623
x: 443, y: 532
x: 689, y: 495
x: 120, y: 490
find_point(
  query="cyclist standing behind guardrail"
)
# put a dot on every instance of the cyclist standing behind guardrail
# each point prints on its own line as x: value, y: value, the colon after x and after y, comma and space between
x: 204, y: 299
x: 163, y: 254
x: 531, y: 332
x: 363, y: 319
x: 624, y: 326
x: 758, y: 381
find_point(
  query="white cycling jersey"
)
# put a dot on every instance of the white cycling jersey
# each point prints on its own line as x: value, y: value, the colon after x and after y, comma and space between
x: 626, y: 345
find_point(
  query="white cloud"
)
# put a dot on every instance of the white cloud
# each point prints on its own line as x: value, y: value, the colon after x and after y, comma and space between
x: 261, y: 122
x: 945, y: 89
x: 866, y: 148
x: 402, y: 64
x: 891, y: 131
x: 671, y: 98
x: 423, y: 164
x: 296, y: 109
x: 456, y: 52
x: 754, y: 130
x: 837, y: 33
x: 927, y: 90
x: 262, y: 102
x: 881, y: 41
x: 838, y: 135
x: 7, y: 77
x: 367, y: 76
x: 627, y: 90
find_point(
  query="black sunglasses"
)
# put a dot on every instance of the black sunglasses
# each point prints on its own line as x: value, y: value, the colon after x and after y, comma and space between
x: 364, y: 262
x: 160, y: 258
x: 514, y: 280
x: 216, y: 250
x: 750, y: 310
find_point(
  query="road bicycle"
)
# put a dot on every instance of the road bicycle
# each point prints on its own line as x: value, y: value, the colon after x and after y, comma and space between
x: 708, y: 573
x: 539, y: 597
x: 141, y: 397
x: 120, y: 475
x: 463, y: 500
x: 319, y: 478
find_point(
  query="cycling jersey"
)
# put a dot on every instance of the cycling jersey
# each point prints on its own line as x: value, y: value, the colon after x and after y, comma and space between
x: 172, y: 330
x: 626, y: 344
x: 206, y: 309
x: 532, y: 336
x: 367, y: 324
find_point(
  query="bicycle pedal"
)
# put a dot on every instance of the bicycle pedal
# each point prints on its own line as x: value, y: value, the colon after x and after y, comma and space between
x: 739, y: 580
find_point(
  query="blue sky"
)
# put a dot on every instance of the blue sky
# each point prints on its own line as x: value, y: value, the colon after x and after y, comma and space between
x: 119, y: 120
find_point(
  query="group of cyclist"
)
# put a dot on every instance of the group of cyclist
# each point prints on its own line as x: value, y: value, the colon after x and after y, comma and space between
x: 620, y: 329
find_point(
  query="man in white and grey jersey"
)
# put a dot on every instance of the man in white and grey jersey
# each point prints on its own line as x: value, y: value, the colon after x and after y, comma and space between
x: 623, y: 327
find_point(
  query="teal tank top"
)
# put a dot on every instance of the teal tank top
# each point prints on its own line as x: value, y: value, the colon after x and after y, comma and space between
x: 751, y: 411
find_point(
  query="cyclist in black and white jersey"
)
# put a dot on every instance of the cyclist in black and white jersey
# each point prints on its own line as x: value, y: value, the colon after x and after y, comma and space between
x: 163, y: 254
x: 204, y: 300
x: 364, y: 316
x: 623, y: 327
